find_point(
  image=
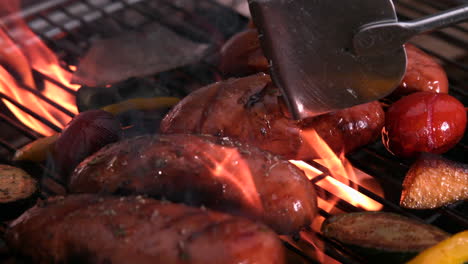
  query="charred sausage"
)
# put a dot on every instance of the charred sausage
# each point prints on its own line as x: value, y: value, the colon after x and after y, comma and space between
x: 90, y: 229
x: 251, y: 110
x: 203, y: 170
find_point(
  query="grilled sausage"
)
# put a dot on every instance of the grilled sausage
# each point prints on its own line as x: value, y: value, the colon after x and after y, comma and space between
x: 242, y: 55
x: 251, y: 110
x: 203, y: 170
x: 423, y: 74
x: 90, y: 229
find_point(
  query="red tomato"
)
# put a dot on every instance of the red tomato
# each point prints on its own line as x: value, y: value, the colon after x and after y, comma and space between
x: 424, y: 122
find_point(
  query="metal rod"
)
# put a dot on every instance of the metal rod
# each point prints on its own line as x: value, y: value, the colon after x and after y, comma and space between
x: 26, y: 132
x: 444, y: 36
x: 422, y: 12
x: 109, y: 15
x: 47, y: 100
x: 55, y: 82
x: 183, y: 30
x: 31, y: 113
x: 75, y: 34
x: 7, y: 145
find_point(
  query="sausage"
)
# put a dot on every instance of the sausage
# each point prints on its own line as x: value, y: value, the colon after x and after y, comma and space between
x: 242, y: 55
x: 252, y: 110
x: 203, y: 170
x: 423, y: 74
x: 92, y: 229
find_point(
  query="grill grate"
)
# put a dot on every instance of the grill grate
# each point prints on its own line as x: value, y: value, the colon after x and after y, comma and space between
x: 69, y: 27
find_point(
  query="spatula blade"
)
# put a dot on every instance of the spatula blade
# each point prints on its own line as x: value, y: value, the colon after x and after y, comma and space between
x: 309, y: 44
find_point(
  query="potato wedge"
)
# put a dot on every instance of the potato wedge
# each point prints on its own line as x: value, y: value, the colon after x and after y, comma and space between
x: 434, y: 181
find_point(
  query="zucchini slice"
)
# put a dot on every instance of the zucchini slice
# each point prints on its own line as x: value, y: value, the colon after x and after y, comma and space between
x: 18, y: 191
x: 382, y: 237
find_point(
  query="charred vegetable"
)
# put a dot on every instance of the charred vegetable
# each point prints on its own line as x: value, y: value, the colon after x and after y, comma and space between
x: 453, y: 250
x: 434, y: 181
x: 92, y: 229
x: 424, y: 122
x: 84, y: 135
x: 382, y: 237
x: 17, y: 191
x: 153, y: 49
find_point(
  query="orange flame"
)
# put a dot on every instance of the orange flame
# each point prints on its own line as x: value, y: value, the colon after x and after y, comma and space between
x: 20, y: 52
x: 343, y: 175
x: 228, y: 164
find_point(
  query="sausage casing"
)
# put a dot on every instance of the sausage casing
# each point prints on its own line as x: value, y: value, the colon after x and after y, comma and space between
x: 252, y: 110
x: 92, y: 229
x: 203, y: 170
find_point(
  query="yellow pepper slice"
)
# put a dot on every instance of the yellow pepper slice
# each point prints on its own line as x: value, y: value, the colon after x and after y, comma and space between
x: 37, y: 150
x: 453, y: 250
x: 141, y: 104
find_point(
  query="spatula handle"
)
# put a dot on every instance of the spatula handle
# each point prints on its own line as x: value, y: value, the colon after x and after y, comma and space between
x: 379, y: 37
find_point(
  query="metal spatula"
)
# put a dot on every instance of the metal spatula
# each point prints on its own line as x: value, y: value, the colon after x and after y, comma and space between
x: 327, y: 55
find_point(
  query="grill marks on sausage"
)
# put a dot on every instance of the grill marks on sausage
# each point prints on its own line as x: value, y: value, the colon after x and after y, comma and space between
x: 180, y: 168
x: 139, y: 230
x: 251, y: 110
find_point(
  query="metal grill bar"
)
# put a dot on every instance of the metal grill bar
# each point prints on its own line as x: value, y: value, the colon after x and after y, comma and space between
x: 55, y: 82
x: 47, y: 100
x: 25, y: 131
x: 7, y: 145
x: 30, y: 112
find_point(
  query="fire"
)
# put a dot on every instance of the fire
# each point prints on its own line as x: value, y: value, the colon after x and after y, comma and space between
x: 342, y: 172
x: 21, y: 51
x: 228, y: 163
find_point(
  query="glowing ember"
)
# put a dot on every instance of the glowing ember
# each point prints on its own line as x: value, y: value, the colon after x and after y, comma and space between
x: 343, y: 175
x: 20, y: 52
x: 231, y: 166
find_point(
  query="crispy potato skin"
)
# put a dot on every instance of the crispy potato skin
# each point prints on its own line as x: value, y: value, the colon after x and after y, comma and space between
x: 434, y: 181
x: 251, y: 110
x: 216, y: 172
x: 91, y: 229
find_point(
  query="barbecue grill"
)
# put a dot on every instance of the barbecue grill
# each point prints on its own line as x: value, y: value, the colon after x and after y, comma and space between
x: 68, y: 27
